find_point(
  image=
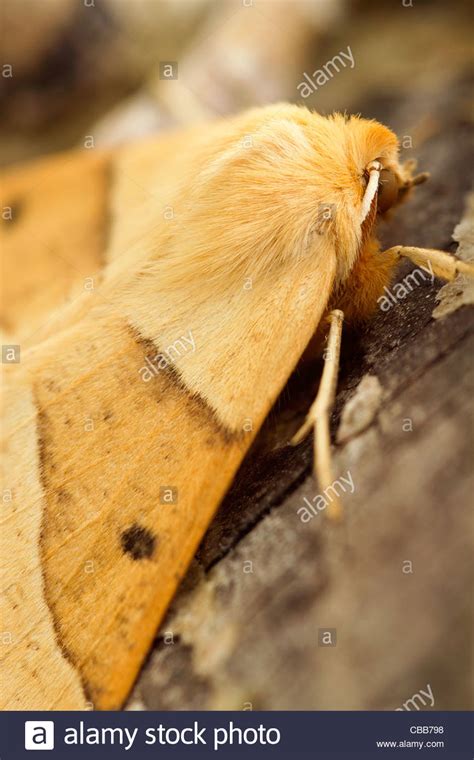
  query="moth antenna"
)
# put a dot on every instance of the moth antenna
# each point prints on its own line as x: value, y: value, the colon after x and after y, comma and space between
x: 443, y: 264
x: 320, y: 412
x: 372, y: 185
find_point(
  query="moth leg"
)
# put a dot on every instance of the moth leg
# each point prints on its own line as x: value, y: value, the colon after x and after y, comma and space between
x: 320, y: 411
x: 443, y: 264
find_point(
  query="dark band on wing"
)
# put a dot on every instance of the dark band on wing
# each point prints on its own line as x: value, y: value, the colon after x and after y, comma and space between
x: 199, y: 405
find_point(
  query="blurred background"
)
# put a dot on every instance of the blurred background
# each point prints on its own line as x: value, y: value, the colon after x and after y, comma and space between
x: 101, y: 72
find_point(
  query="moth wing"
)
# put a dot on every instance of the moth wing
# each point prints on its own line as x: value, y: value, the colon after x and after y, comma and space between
x: 53, y: 234
x: 124, y: 430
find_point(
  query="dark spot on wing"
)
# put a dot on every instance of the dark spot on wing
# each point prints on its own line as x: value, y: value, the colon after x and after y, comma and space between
x: 138, y: 542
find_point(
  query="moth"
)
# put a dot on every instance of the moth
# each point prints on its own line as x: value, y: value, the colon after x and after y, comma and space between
x: 252, y: 238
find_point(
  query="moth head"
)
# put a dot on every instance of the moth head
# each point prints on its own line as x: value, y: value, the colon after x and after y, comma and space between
x: 385, y: 186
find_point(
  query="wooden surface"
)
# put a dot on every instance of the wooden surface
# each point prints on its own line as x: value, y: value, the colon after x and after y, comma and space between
x: 243, y: 632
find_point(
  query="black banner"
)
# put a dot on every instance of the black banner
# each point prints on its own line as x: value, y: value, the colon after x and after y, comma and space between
x: 284, y: 735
